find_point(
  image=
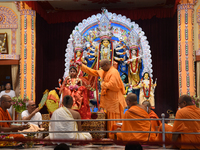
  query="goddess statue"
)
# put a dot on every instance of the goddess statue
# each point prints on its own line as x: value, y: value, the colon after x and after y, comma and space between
x: 79, y: 56
x: 147, y: 89
x: 107, y: 36
x: 105, y: 49
x: 134, y: 62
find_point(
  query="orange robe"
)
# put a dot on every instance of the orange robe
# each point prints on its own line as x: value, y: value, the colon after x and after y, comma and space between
x: 4, y: 115
x: 112, y: 93
x: 168, y: 137
x: 154, y: 125
x: 188, y: 112
x: 135, y: 112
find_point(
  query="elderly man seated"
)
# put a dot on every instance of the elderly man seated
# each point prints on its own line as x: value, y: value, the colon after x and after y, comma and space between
x: 188, y: 111
x: 32, y: 113
x: 136, y: 111
x: 154, y: 123
x: 6, y: 102
x: 66, y: 113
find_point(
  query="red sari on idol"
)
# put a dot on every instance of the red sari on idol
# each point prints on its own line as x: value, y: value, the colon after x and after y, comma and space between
x: 78, y: 89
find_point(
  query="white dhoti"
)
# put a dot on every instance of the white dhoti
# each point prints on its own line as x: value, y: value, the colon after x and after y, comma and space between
x: 63, y: 113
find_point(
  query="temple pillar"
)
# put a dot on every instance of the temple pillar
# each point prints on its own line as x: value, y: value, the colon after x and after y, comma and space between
x: 198, y: 52
x: 28, y: 53
x: 186, y: 71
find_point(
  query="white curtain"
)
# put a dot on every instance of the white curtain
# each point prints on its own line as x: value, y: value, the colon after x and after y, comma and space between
x: 15, y: 77
x: 15, y: 83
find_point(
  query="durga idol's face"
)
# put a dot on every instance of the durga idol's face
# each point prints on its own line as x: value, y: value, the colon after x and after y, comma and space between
x: 78, y: 53
x: 106, y: 43
x: 146, y: 76
x: 134, y: 52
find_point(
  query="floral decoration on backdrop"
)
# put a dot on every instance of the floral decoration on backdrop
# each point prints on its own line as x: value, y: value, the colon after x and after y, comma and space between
x: 19, y: 103
x: 195, y: 100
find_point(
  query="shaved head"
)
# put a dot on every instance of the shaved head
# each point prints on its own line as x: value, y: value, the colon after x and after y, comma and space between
x: 105, y: 61
x: 68, y: 101
x: 6, y: 102
x: 131, y: 97
x: 105, y: 64
x: 30, y: 103
x: 146, y: 103
x: 4, y: 98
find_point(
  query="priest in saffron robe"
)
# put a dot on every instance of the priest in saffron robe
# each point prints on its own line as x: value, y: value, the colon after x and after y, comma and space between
x: 136, y: 111
x: 154, y: 123
x: 6, y: 103
x: 112, y: 91
x: 66, y: 113
x: 188, y: 111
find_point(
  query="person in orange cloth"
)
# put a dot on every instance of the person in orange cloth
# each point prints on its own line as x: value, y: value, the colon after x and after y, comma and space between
x: 168, y: 136
x: 154, y: 123
x: 188, y: 111
x: 136, y: 111
x: 6, y: 103
x: 112, y: 91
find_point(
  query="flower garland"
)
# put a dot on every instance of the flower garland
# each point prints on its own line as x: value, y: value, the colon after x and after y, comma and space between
x: 73, y: 87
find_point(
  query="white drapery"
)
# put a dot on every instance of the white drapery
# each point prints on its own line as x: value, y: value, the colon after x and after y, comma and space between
x: 15, y: 84
x: 15, y: 78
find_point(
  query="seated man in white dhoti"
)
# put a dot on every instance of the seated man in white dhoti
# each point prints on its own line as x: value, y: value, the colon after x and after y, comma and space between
x: 66, y: 113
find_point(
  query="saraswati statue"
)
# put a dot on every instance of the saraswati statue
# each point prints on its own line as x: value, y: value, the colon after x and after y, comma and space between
x: 114, y: 37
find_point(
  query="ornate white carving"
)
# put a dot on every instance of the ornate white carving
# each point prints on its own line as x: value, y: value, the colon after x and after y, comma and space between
x: 111, y: 20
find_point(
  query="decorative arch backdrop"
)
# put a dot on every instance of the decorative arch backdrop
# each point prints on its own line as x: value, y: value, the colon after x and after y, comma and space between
x: 51, y: 40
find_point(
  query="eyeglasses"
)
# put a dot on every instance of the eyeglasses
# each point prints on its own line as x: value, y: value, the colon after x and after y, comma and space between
x: 9, y: 101
x: 33, y: 105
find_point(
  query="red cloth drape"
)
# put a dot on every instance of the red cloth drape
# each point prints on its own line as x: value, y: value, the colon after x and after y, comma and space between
x: 78, y: 16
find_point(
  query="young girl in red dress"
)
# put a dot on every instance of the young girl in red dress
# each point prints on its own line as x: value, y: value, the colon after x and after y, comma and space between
x: 78, y: 87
